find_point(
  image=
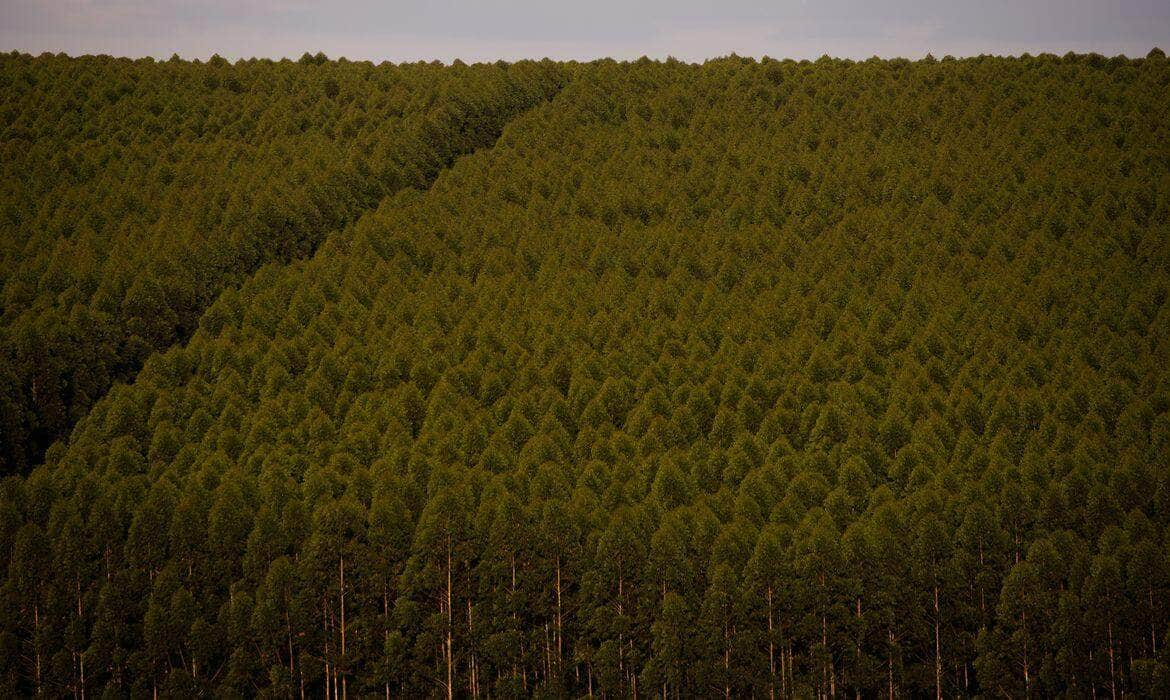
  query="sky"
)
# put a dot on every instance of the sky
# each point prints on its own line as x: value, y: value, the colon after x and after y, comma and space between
x: 690, y: 30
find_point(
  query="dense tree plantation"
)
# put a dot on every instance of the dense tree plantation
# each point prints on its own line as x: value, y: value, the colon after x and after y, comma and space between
x: 133, y: 192
x: 749, y: 378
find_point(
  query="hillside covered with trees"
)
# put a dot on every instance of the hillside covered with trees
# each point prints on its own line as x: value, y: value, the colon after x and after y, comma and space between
x: 748, y: 378
x: 133, y: 192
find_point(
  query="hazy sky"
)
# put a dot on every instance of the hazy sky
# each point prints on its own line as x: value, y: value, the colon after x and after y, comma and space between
x: 400, y: 30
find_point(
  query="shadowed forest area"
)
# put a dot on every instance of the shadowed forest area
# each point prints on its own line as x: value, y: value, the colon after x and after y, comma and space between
x: 743, y: 378
x: 134, y: 192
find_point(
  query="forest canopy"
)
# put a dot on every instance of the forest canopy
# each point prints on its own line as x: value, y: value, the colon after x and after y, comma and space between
x: 134, y: 192
x: 742, y: 378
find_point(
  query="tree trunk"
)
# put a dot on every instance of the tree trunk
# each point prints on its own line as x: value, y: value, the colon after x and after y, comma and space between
x: 37, y: 645
x: 621, y: 641
x: 450, y: 625
x: 288, y: 634
x: 325, y: 652
x: 1112, y: 672
x: 1027, y: 675
x: 386, y: 628
x: 341, y: 569
x: 824, y: 643
x: 771, y: 651
x: 81, y: 653
x: 937, y: 651
x: 1153, y: 633
x: 472, y: 685
x: 336, y: 662
x: 560, y: 628
x: 546, y: 656
x: 828, y: 671
x: 726, y: 663
x: 783, y: 665
x: 512, y: 606
x: 890, y: 660
x: 857, y: 650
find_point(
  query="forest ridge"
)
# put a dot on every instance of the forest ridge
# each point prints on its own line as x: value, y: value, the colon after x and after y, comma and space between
x: 743, y: 378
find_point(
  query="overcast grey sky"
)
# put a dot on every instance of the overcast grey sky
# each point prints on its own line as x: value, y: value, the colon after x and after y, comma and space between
x: 401, y: 30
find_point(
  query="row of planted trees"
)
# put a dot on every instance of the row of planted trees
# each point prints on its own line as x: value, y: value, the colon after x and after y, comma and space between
x: 510, y: 586
x: 136, y: 191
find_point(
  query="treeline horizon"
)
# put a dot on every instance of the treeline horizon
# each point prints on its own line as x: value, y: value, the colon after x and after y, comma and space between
x: 651, y: 378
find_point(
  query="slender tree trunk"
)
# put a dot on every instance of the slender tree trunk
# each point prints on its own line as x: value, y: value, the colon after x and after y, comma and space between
x: 341, y: 577
x: 828, y: 670
x: 325, y: 654
x: 857, y: 650
x: 621, y: 640
x: 771, y: 651
x: 545, y: 652
x: 81, y: 653
x: 386, y: 628
x: 288, y: 632
x: 560, y: 627
x: 791, y: 668
x: 890, y: 660
x: 824, y: 644
x: 37, y: 645
x: 336, y: 660
x: 824, y: 661
x: 450, y: 626
x: 937, y: 651
x: 471, y: 681
x: 1112, y: 672
x: 783, y: 664
x: 726, y: 662
x: 512, y: 605
x: 1092, y: 675
x: 1027, y: 675
x: 1153, y: 634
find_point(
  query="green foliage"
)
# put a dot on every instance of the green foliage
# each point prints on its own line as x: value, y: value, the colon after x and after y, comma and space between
x: 133, y: 192
x: 743, y: 378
